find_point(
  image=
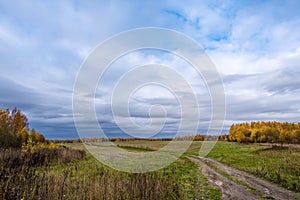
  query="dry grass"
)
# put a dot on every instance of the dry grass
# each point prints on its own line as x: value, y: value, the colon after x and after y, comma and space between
x: 28, y: 184
x: 58, y: 174
x: 41, y: 156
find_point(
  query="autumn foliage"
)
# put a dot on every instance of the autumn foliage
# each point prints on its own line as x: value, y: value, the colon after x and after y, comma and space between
x: 14, y: 131
x: 261, y: 132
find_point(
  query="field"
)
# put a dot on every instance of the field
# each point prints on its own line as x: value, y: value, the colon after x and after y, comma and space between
x: 278, y: 165
x: 76, y: 176
x: 281, y: 166
x: 86, y: 178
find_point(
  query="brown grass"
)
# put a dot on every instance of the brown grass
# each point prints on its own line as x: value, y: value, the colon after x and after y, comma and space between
x: 55, y: 174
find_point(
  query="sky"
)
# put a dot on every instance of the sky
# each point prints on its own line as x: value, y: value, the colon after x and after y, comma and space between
x: 255, y: 46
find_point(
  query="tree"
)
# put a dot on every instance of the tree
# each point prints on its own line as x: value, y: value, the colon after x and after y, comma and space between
x: 273, y: 132
x: 297, y: 135
x: 36, y: 137
x: 18, y: 121
x: 240, y: 137
x: 22, y: 136
x: 284, y: 137
x: 14, y: 130
x: 6, y: 139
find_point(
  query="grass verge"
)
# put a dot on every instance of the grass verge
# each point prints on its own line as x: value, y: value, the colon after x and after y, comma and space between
x: 280, y: 166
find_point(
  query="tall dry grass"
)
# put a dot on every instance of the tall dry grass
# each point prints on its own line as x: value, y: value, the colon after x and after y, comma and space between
x: 41, y: 156
x: 38, y: 175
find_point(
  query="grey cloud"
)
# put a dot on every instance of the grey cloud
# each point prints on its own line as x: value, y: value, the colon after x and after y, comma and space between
x: 47, y: 43
x: 262, y: 107
x: 13, y: 93
x: 283, y: 81
x: 233, y: 78
x: 156, y: 100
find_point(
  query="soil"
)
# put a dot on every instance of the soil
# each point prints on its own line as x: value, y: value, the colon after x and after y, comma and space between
x: 256, y: 188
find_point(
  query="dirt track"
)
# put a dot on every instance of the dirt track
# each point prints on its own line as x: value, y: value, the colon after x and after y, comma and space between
x: 257, y: 188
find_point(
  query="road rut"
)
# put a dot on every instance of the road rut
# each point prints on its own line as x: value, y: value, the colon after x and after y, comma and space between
x: 257, y: 188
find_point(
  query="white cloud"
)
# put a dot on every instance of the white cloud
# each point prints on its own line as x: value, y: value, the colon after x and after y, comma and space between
x: 254, y: 45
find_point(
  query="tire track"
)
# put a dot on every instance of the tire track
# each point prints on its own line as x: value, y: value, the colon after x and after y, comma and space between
x: 229, y: 189
x: 265, y: 187
x: 233, y: 190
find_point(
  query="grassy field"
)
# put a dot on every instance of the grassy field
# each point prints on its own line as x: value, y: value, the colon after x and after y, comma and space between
x: 86, y: 178
x: 74, y: 176
x: 280, y: 166
x: 183, y: 176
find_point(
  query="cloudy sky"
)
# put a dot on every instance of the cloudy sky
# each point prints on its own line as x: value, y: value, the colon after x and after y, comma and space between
x: 255, y: 46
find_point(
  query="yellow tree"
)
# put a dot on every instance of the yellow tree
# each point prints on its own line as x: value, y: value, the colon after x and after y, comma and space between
x: 36, y: 137
x: 18, y: 121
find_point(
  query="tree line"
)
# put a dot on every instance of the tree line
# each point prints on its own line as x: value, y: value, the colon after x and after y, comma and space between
x: 197, y: 137
x: 262, y: 132
x: 14, y: 130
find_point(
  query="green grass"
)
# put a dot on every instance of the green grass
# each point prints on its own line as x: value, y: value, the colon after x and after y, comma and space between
x: 280, y: 166
x: 183, y: 175
x: 143, y: 144
x: 135, y: 149
x: 193, y: 184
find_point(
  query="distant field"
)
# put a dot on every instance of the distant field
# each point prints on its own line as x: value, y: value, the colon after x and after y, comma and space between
x: 155, y: 145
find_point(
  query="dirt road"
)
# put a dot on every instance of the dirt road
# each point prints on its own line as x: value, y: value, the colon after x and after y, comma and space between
x: 237, y: 184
